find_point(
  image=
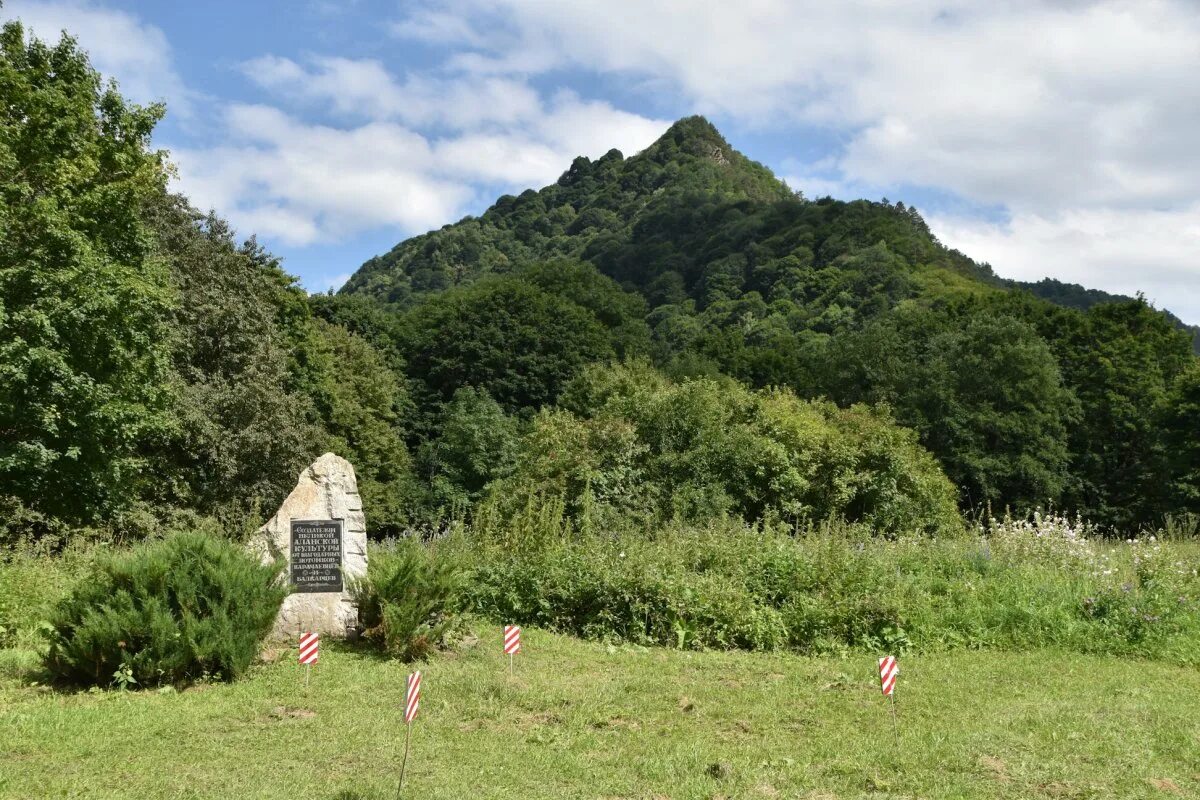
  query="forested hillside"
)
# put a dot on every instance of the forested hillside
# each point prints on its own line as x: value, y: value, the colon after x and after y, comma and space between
x: 1072, y: 295
x: 671, y: 336
x: 1024, y: 402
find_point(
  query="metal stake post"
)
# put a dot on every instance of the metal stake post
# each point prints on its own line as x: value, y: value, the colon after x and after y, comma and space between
x: 404, y: 761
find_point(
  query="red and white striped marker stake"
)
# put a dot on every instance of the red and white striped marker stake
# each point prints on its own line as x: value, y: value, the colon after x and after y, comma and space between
x: 310, y: 644
x: 512, y: 644
x: 412, y: 700
x: 888, y: 670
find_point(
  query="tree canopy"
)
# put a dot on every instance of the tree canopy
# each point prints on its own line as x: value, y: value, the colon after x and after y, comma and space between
x: 84, y: 299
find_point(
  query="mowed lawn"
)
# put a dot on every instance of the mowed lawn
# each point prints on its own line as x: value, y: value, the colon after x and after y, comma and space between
x: 583, y: 720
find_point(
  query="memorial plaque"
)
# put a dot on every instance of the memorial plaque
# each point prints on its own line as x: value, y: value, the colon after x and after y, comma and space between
x: 316, y: 561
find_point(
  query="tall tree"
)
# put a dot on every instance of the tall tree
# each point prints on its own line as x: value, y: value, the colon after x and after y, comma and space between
x: 998, y: 413
x: 84, y: 302
x: 243, y: 426
x: 1181, y: 439
x: 1122, y: 365
x: 508, y: 337
x: 984, y: 390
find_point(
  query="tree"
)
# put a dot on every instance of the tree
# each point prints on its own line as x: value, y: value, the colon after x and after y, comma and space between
x: 997, y: 413
x: 622, y: 313
x: 1180, y: 425
x: 242, y: 428
x: 628, y: 441
x: 84, y: 300
x: 1122, y: 365
x: 361, y: 405
x: 477, y: 444
x: 983, y: 390
x: 508, y: 337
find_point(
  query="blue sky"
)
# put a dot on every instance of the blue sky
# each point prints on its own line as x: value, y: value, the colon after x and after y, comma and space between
x: 1046, y: 138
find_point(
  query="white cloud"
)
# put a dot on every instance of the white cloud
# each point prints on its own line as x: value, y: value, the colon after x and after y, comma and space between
x: 303, y: 183
x: 823, y: 178
x: 1026, y: 100
x: 437, y: 27
x: 1078, y: 119
x: 365, y: 88
x: 1120, y: 251
x: 120, y: 45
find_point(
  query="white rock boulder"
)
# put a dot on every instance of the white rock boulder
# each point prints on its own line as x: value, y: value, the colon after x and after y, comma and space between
x: 326, y: 491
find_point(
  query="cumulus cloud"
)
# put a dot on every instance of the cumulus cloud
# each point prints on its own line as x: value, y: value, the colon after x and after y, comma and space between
x: 1122, y: 251
x: 303, y: 183
x: 1027, y: 100
x: 1078, y: 120
x: 120, y: 45
x: 365, y: 88
x: 409, y: 152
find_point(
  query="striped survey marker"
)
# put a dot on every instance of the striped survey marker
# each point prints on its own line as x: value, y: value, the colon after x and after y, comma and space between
x: 512, y: 644
x: 412, y: 697
x: 310, y: 643
x: 888, y: 670
x: 412, y: 700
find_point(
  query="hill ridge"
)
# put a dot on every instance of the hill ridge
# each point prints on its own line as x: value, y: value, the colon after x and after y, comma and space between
x: 614, y: 196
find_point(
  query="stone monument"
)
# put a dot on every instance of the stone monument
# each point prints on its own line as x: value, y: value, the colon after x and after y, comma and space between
x: 321, y: 534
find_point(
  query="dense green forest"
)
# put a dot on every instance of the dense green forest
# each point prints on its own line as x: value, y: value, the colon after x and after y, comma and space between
x: 1081, y: 403
x: 1072, y: 295
x: 672, y: 336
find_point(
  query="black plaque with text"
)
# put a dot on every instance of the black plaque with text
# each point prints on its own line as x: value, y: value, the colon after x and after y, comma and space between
x: 317, y: 555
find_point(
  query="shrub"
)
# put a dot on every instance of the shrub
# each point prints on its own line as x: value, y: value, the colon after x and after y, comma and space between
x: 405, y: 603
x: 628, y: 442
x: 1044, y: 539
x: 186, y: 608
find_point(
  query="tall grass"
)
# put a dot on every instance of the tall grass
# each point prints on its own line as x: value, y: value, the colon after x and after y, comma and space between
x: 1040, y: 582
x: 1044, y: 581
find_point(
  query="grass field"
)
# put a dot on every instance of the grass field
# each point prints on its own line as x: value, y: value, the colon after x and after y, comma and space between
x: 583, y: 720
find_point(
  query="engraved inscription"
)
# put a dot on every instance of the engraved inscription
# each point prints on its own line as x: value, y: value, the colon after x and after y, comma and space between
x: 316, y: 564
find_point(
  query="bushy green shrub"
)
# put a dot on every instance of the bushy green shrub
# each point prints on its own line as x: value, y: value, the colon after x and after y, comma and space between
x: 406, y: 602
x: 189, y: 607
x: 629, y: 442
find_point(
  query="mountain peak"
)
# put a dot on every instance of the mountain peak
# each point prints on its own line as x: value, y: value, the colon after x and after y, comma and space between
x: 694, y: 136
x: 603, y: 200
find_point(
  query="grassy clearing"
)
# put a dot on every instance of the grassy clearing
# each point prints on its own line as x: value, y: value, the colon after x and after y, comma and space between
x: 586, y: 720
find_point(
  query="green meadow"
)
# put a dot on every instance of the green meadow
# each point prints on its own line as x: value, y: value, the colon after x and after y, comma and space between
x: 588, y: 720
